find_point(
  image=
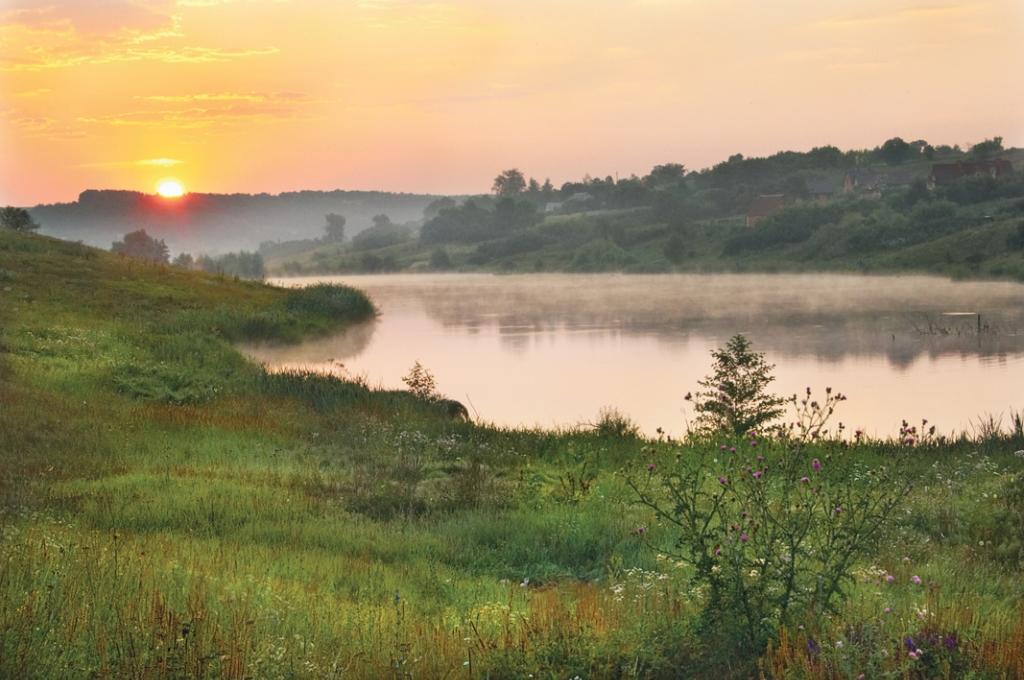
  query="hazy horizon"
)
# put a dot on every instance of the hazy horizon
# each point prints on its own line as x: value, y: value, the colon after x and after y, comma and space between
x: 436, y: 97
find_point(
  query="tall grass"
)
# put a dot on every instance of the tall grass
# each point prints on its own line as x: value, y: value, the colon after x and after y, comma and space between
x: 168, y: 509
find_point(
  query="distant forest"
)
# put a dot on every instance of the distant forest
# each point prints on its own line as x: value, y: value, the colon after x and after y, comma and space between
x: 900, y: 206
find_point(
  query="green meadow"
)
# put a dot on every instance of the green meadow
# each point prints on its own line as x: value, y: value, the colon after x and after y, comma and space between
x: 170, y: 509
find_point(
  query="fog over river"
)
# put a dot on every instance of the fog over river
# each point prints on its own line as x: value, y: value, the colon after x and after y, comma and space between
x: 553, y: 349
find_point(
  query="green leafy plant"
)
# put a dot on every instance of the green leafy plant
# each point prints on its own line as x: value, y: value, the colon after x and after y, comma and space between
x: 771, y: 532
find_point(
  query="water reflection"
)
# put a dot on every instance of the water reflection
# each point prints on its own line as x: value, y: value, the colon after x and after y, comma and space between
x: 552, y: 349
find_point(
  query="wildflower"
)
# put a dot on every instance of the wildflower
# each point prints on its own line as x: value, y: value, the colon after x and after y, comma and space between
x: 732, y: 449
x: 913, y: 654
x: 744, y: 538
x: 753, y: 442
x: 760, y: 458
x: 724, y: 481
x: 640, y: 531
x: 718, y: 550
x: 723, y: 447
x: 889, y: 578
x: 906, y: 559
x: 816, y: 465
x: 915, y: 579
x: 757, y: 474
x: 651, y: 467
x: 838, y: 509
x: 949, y: 641
x: 805, y: 480
x: 887, y: 610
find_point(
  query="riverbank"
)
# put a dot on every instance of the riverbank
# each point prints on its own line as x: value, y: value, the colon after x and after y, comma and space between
x: 169, y: 509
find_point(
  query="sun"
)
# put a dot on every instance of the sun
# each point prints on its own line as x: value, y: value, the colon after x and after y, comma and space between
x: 170, y: 188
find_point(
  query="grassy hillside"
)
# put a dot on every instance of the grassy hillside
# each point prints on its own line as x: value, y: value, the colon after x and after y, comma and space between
x: 171, y: 510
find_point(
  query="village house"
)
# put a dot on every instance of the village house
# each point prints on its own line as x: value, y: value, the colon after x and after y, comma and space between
x: 944, y: 174
x: 764, y: 206
x: 863, y: 181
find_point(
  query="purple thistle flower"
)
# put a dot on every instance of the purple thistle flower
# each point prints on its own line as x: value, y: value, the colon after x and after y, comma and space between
x: 816, y: 465
x: 760, y: 458
x: 723, y: 447
x: 744, y: 538
x: 732, y: 449
x: 805, y: 480
x: 718, y: 550
x: 724, y: 481
x: 757, y: 474
x: 889, y: 578
x: 753, y: 442
x: 651, y: 467
x: 915, y: 579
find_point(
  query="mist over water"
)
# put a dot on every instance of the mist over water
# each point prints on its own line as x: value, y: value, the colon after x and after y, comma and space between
x: 552, y: 350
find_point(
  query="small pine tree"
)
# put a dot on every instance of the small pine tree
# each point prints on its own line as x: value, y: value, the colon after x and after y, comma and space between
x: 734, y: 397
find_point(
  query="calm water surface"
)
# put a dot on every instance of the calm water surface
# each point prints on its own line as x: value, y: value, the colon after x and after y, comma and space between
x: 553, y: 349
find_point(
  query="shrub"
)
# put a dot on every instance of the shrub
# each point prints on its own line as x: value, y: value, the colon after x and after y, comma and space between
x: 421, y: 382
x: 612, y: 422
x: 440, y: 259
x: 771, y: 533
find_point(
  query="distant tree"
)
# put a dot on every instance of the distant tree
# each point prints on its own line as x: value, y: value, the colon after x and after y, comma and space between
x: 242, y: 264
x: 440, y: 259
x: 435, y: 207
x: 510, y: 214
x: 796, y: 186
x: 334, y: 228
x: 140, y: 245
x: 895, y: 151
x: 184, y: 260
x: 17, y: 219
x: 666, y: 175
x: 509, y: 183
x: 547, y: 188
x: 923, y: 148
x: 989, y: 147
x: 381, y: 235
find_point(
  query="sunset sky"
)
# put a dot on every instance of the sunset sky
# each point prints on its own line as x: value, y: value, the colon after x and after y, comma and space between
x: 438, y: 96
